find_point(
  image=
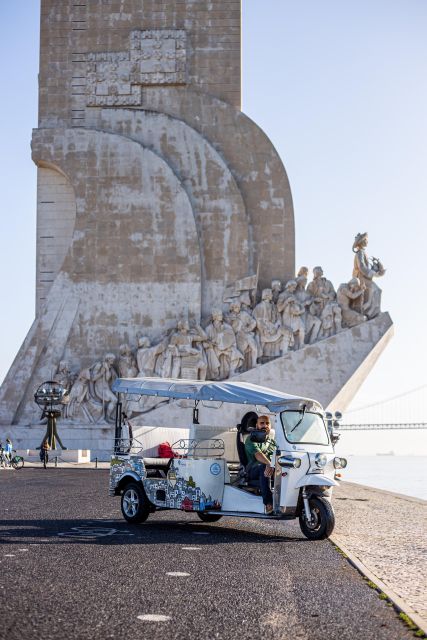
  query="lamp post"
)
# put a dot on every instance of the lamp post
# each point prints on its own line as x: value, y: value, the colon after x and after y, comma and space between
x: 49, y: 396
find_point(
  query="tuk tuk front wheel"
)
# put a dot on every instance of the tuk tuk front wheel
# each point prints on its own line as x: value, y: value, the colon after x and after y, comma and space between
x: 209, y: 517
x: 135, y: 506
x: 322, y: 520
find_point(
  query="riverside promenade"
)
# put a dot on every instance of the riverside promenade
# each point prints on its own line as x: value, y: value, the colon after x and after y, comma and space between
x: 385, y: 535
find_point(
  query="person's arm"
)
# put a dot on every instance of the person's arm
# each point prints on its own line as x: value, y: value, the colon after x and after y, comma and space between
x: 262, y: 458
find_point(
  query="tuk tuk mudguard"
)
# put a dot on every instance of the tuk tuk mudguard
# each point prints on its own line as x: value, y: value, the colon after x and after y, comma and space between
x: 131, y: 467
x: 314, y: 485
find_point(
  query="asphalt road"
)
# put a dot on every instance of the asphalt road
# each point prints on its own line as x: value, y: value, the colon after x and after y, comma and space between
x: 71, y: 567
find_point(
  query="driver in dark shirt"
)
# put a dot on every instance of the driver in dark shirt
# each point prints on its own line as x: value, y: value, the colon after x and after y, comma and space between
x: 259, y: 455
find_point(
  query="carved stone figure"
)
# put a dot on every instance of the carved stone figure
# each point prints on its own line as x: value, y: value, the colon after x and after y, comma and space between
x: 312, y: 322
x: 303, y: 271
x: 276, y: 289
x: 127, y: 362
x: 82, y: 407
x: 64, y: 375
x: 288, y: 292
x: 182, y: 358
x: 269, y: 329
x: 320, y: 288
x: 292, y: 316
x: 323, y: 293
x: 366, y: 270
x: 350, y: 297
x: 244, y: 325
x: 221, y: 348
x: 327, y: 318
x: 147, y: 357
x: 103, y: 376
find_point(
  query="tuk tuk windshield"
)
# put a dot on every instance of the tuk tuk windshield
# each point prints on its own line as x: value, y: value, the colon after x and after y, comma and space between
x: 304, y: 427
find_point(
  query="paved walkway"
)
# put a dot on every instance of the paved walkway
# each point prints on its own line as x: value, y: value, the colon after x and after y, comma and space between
x: 387, y: 532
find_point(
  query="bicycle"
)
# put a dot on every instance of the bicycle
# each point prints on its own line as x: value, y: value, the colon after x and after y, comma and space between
x: 17, y: 462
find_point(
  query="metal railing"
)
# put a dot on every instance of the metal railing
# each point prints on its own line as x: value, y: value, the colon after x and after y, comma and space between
x: 382, y: 426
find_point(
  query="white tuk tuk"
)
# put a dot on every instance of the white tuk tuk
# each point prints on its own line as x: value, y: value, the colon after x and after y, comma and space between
x: 207, y: 474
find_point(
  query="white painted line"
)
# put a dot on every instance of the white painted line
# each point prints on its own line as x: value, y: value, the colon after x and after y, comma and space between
x: 22, y: 549
x: 192, y: 548
x: 177, y: 574
x: 9, y: 555
x: 153, y: 617
x: 201, y: 533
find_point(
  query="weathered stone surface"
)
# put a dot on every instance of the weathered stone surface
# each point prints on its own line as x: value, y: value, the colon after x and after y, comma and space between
x: 219, y: 209
x: 255, y: 165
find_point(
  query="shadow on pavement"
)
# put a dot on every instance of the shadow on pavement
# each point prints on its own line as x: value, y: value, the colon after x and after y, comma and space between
x: 117, y: 532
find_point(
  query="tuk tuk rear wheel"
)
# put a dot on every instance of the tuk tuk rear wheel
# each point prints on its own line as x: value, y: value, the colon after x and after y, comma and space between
x: 208, y: 517
x: 134, y: 503
x: 322, y: 519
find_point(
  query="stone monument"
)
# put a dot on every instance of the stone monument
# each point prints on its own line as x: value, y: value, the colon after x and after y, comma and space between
x: 165, y: 225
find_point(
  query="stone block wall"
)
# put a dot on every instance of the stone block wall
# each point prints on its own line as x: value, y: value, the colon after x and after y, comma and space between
x: 75, y: 35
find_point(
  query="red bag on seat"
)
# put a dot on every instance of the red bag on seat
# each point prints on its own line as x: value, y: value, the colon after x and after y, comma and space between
x: 165, y: 450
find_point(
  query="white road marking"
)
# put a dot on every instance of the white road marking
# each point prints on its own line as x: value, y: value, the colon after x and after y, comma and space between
x: 153, y: 617
x: 192, y: 548
x: 177, y: 574
x: 9, y: 555
x: 22, y: 549
x: 85, y: 531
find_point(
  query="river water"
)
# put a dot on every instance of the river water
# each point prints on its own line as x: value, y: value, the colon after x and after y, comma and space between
x: 400, y: 474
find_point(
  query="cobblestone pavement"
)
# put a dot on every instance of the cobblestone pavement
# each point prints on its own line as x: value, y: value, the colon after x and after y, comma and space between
x: 387, y: 532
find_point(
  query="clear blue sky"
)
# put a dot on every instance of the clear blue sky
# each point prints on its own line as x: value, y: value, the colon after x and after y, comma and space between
x: 340, y: 89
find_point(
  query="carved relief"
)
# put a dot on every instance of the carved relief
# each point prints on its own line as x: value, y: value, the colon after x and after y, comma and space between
x: 250, y: 334
x: 158, y: 56
x: 221, y: 348
x: 155, y: 57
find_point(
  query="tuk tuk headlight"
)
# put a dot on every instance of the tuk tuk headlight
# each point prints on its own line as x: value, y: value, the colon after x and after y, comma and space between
x: 320, y: 460
x: 285, y: 461
x: 340, y: 463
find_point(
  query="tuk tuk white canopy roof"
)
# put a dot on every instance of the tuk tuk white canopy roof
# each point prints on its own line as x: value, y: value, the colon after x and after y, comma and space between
x: 225, y: 391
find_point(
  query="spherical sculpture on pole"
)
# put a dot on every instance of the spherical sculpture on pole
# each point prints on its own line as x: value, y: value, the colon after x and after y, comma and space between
x: 49, y: 396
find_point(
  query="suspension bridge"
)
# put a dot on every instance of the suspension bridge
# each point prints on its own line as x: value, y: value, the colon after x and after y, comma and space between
x: 407, y: 410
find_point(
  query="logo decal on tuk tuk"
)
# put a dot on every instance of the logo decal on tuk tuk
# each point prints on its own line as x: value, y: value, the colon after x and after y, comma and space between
x: 215, y: 469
